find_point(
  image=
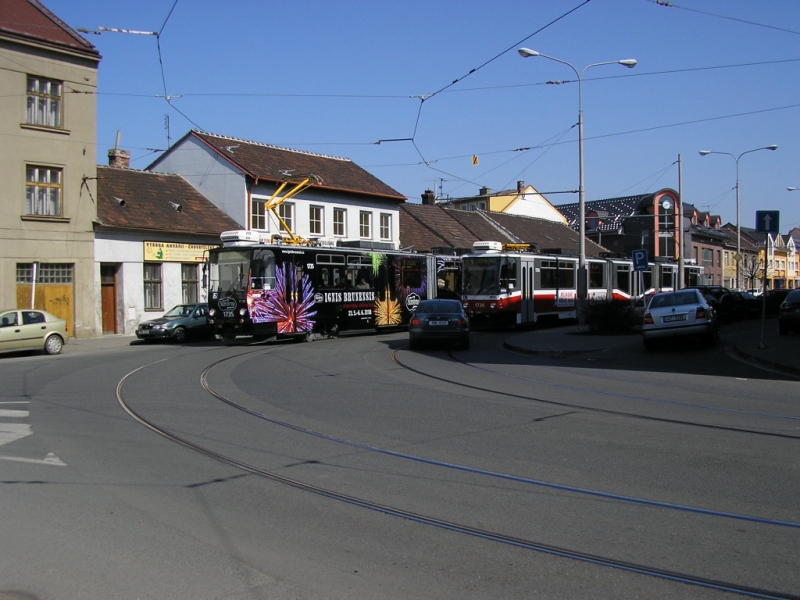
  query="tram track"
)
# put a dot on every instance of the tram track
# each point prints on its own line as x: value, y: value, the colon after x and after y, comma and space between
x: 599, y: 560
x: 607, y: 411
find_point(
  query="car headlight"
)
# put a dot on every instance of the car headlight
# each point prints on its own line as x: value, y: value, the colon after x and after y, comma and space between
x: 158, y: 326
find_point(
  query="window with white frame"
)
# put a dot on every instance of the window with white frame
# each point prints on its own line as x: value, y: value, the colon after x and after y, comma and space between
x: 43, y: 187
x: 152, y: 286
x: 365, y: 224
x: 386, y: 226
x: 315, y: 224
x: 286, y: 212
x: 258, y: 214
x: 189, y: 283
x: 339, y: 221
x: 44, y: 102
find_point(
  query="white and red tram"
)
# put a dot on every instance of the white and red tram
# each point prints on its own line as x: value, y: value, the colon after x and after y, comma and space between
x: 505, y: 286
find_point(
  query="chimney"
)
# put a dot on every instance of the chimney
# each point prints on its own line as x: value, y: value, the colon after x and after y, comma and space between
x: 117, y: 157
x: 520, y: 187
x: 484, y: 191
x: 429, y: 197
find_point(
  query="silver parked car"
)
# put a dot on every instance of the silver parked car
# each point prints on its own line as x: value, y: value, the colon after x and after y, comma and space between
x: 680, y: 313
x: 22, y: 329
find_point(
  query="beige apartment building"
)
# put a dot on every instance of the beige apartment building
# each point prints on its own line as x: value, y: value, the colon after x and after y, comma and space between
x: 48, y: 80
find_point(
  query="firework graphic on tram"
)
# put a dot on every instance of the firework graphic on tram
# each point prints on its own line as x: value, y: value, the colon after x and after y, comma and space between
x: 294, y: 291
x: 505, y: 285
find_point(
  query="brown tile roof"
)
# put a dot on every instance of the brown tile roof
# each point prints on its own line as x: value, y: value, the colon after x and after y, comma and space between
x: 29, y: 20
x: 265, y: 162
x: 423, y: 227
x: 151, y: 201
x: 547, y: 235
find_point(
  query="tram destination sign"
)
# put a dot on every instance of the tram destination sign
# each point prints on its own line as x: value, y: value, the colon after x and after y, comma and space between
x: 175, y: 252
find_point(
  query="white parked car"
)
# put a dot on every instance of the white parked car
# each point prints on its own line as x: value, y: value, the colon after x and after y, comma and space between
x: 680, y: 313
x: 22, y: 329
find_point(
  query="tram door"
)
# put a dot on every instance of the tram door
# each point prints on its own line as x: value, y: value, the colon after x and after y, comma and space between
x: 526, y: 268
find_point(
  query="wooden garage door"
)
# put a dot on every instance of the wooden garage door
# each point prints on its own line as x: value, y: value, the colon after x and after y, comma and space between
x: 54, y: 290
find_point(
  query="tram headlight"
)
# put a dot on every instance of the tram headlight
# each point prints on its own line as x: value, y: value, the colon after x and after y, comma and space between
x: 242, y: 311
x: 212, y: 312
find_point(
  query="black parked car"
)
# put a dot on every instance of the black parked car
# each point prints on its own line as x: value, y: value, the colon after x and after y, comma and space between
x: 178, y: 324
x: 439, y: 321
x: 773, y: 298
x: 789, y: 313
x: 722, y: 300
x: 747, y: 305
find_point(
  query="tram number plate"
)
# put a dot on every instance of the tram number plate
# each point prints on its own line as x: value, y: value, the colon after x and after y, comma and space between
x: 670, y: 318
x: 228, y: 314
x: 435, y: 323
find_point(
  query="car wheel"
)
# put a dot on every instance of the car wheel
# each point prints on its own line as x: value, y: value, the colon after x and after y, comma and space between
x: 783, y: 329
x: 711, y: 338
x: 465, y: 344
x: 179, y: 335
x: 53, y: 345
x: 649, y: 344
x: 413, y: 345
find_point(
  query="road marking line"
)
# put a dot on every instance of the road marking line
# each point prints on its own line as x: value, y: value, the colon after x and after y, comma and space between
x: 10, y: 432
x: 13, y: 414
x: 51, y: 459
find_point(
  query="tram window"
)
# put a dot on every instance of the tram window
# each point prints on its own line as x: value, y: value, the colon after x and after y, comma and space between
x: 667, y: 277
x: 410, y: 275
x: 262, y: 270
x: 508, y: 274
x: 330, y: 276
x: 623, y: 278
x: 566, y: 275
x: 360, y: 278
x: 548, y: 276
x: 597, y: 275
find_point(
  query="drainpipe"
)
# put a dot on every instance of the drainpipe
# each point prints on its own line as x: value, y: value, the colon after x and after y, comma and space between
x: 33, y: 283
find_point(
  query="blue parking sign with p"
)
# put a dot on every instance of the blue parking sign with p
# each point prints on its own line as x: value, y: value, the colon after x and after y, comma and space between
x: 639, y: 260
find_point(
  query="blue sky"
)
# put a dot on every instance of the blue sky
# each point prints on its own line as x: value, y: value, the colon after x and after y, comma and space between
x: 335, y: 77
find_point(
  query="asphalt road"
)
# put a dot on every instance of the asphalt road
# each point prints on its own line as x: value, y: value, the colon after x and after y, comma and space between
x: 353, y: 468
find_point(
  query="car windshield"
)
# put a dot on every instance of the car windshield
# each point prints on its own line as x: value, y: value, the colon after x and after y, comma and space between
x: 439, y: 306
x: 675, y: 299
x: 182, y: 310
x: 793, y: 296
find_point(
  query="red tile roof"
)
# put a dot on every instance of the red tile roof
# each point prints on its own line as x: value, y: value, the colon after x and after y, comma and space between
x: 159, y: 202
x: 271, y: 163
x: 29, y: 20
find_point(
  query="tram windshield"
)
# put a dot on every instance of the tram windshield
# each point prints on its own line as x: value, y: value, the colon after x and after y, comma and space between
x: 229, y: 270
x: 481, y: 276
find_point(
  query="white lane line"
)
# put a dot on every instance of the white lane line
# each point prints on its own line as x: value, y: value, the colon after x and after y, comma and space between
x: 13, y: 414
x: 11, y: 432
x: 17, y: 402
x: 51, y: 459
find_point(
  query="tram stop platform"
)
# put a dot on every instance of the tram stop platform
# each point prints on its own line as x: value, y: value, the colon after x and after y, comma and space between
x: 742, y: 339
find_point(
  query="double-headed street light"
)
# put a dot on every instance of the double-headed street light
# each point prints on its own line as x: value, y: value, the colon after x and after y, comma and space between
x: 582, y: 280
x: 738, y: 225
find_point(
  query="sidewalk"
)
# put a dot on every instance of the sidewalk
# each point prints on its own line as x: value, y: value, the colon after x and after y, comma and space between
x: 740, y: 338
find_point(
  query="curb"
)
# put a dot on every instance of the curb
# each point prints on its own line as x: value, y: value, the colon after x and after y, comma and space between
x: 747, y: 356
x: 550, y: 353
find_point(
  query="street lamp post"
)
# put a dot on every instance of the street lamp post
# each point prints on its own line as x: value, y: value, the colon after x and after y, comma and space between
x: 738, y: 225
x: 582, y: 280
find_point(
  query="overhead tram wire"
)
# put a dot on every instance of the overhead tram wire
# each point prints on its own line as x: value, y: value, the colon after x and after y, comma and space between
x: 425, y: 97
x: 667, y: 4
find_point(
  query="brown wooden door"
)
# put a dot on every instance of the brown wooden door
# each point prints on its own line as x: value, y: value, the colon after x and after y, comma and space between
x: 108, y: 297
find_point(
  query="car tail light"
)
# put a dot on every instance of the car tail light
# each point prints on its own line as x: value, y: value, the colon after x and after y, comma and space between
x: 415, y: 322
x: 462, y: 322
x: 648, y: 319
x: 701, y: 313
